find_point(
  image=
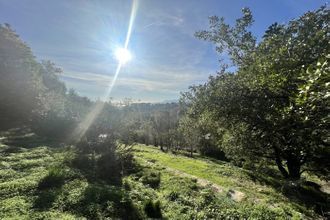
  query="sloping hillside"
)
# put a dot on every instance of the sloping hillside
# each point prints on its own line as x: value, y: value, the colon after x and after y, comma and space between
x: 259, y: 193
x: 40, y: 182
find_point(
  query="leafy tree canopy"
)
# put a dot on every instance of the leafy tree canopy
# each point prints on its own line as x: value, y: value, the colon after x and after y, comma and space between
x: 276, y: 105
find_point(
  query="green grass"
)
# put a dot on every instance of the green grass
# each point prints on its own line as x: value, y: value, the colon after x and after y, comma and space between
x: 229, y: 178
x: 39, y: 183
x: 183, y: 198
x: 223, y: 174
x: 20, y: 174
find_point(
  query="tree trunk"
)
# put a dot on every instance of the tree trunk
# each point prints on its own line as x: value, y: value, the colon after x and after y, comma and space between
x: 281, y: 168
x: 279, y: 164
x: 294, y: 166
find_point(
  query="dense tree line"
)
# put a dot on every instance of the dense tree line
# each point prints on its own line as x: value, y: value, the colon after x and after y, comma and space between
x: 152, y: 124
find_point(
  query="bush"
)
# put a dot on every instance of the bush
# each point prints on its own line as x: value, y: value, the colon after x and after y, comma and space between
x: 82, y: 162
x: 108, y: 168
x: 152, y: 209
x: 102, y: 202
x: 174, y: 195
x: 152, y: 179
x: 100, y: 156
x: 45, y: 199
x: 54, y: 127
x: 213, y: 152
x: 126, y: 159
x: 55, y: 178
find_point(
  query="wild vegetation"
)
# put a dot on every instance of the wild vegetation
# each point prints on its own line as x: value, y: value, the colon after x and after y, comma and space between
x: 251, y: 143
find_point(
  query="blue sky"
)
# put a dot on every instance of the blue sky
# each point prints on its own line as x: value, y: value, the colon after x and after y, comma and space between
x: 81, y: 36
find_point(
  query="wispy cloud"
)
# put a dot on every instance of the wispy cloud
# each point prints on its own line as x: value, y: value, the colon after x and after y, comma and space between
x: 82, y: 37
x: 160, y: 80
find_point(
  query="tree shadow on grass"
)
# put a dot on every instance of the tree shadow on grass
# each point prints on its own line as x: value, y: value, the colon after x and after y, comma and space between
x: 45, y: 199
x: 304, y: 193
x: 102, y: 198
x: 49, y: 188
x: 104, y: 167
x: 99, y: 200
x: 308, y: 194
x: 106, y: 196
x: 266, y: 176
x: 30, y: 141
x: 105, y: 201
x: 24, y: 138
x: 10, y: 149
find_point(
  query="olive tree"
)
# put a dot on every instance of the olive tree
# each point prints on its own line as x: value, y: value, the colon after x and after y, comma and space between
x: 276, y: 103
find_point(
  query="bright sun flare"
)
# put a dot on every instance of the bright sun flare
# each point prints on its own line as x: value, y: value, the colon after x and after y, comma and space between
x: 123, y: 55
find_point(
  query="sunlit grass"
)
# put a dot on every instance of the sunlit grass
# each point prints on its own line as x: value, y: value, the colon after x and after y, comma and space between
x: 225, y: 175
x: 39, y: 183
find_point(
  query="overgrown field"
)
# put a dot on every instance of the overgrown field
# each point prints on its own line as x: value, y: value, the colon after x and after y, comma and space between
x: 39, y: 182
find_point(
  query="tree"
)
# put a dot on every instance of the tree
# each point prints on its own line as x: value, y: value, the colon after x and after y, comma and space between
x: 31, y: 94
x: 259, y: 109
x: 313, y: 103
x: 20, y: 84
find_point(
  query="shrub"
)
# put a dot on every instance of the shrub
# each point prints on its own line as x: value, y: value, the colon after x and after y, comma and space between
x: 213, y: 152
x: 152, y: 179
x: 99, y: 156
x: 45, y: 199
x: 55, y: 178
x: 53, y: 126
x: 125, y: 157
x: 108, y: 168
x: 102, y: 202
x: 174, y: 195
x: 82, y: 162
x: 152, y: 209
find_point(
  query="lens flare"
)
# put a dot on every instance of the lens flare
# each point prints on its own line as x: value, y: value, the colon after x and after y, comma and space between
x: 123, y: 55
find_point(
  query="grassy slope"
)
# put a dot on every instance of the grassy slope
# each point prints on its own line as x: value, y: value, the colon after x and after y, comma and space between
x: 20, y: 172
x: 38, y: 183
x: 227, y: 176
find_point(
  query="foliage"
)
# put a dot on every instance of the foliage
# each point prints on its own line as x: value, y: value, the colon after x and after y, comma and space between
x: 101, y: 156
x: 20, y: 84
x: 54, y: 178
x: 153, y: 124
x: 313, y: 103
x: 22, y: 172
x: 152, y: 209
x: 265, y: 109
x: 275, y: 105
x: 179, y: 188
x: 31, y: 93
x: 151, y: 179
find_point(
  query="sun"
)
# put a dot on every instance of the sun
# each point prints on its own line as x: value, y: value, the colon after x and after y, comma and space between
x: 123, y: 55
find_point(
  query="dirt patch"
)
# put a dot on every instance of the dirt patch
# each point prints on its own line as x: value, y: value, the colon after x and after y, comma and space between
x: 237, y: 196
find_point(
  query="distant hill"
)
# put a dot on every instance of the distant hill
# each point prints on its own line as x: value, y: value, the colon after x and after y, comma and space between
x: 169, y: 101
